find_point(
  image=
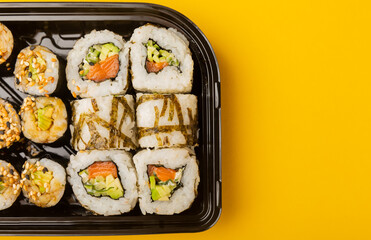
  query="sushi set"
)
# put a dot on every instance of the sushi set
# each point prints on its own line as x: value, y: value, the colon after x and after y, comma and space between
x: 107, y: 126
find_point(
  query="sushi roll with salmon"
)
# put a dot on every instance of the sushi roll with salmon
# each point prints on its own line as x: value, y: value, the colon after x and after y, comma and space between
x: 6, y: 43
x: 168, y: 180
x: 44, y: 119
x: 10, y: 124
x: 167, y: 120
x: 160, y: 60
x: 104, y: 123
x: 98, y: 65
x: 104, y: 182
x: 43, y: 181
x: 37, y: 71
x: 10, y: 185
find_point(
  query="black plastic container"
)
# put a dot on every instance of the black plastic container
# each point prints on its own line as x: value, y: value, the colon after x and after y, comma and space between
x: 57, y: 26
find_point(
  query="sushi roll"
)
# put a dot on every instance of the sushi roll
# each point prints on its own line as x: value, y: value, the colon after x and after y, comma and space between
x: 104, y: 182
x: 168, y: 180
x: 44, y: 119
x: 6, y: 43
x: 10, y: 186
x: 44, y: 182
x: 10, y: 125
x: 166, y: 120
x: 98, y: 65
x: 36, y: 71
x: 104, y: 123
x: 161, y: 61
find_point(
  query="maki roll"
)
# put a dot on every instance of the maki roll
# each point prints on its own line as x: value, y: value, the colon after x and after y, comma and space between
x: 6, y: 43
x: 36, y: 71
x: 98, y: 65
x: 168, y: 180
x: 166, y: 120
x: 10, y: 125
x: 44, y: 119
x: 10, y: 186
x: 160, y: 60
x: 104, y: 182
x: 43, y: 181
x: 103, y: 123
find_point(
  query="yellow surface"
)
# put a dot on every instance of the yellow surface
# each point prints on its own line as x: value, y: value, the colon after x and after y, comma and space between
x: 296, y: 117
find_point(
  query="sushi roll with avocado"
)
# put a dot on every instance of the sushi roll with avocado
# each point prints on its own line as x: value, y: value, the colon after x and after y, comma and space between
x: 6, y: 43
x: 36, y: 71
x: 167, y: 179
x: 160, y: 60
x: 10, y: 185
x: 43, y: 181
x: 104, y: 182
x: 10, y: 124
x: 98, y: 65
x: 166, y: 120
x: 104, y: 123
x: 44, y: 119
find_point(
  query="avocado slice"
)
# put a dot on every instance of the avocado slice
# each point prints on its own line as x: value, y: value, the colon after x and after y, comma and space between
x: 156, y: 54
x: 2, y: 187
x: 108, y: 50
x: 32, y: 70
x: 115, y: 193
x: 160, y: 192
x: 44, y: 117
x: 102, y: 186
x: 40, y: 178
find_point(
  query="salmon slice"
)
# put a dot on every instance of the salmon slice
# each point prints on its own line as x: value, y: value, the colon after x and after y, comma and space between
x: 105, y: 69
x: 153, y: 67
x: 103, y: 169
x: 162, y: 173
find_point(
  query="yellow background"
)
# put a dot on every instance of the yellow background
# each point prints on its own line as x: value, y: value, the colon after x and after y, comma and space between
x: 296, y: 115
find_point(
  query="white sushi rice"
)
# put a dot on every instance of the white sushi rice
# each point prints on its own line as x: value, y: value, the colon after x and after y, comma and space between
x: 57, y: 184
x: 102, y: 136
x: 104, y: 205
x: 9, y: 195
x: 148, y: 111
x: 170, y: 79
x: 173, y: 158
x: 88, y: 88
x: 52, y: 70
